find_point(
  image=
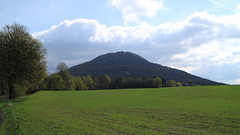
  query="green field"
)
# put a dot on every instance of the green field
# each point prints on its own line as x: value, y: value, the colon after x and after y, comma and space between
x: 182, y: 110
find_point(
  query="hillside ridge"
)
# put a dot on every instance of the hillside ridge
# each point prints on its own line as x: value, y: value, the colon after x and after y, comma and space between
x: 128, y: 64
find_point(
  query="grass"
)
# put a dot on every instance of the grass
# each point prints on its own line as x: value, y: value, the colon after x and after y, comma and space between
x: 183, y: 110
x: 2, y: 126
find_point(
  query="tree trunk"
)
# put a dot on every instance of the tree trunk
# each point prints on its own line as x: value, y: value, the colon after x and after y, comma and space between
x: 11, y: 92
x: 2, y: 88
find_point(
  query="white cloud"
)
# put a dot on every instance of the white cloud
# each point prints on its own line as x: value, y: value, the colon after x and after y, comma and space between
x: 217, y: 60
x: 237, y: 8
x: 202, y: 44
x: 134, y: 9
x: 219, y: 4
x: 236, y: 81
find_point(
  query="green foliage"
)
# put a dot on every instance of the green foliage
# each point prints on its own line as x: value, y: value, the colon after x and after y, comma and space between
x: 172, y: 83
x: 63, y: 72
x: 119, y: 82
x: 85, y: 81
x: 61, y: 67
x: 102, y: 82
x: 107, y: 82
x: 90, y: 83
x: 179, y: 84
x: 179, y: 110
x: 56, y: 82
x: 79, y: 85
x: 22, y: 58
x: 68, y: 82
x: 157, y: 82
x: 20, y: 90
x: 44, y: 85
x: 59, y: 81
x: 70, y: 85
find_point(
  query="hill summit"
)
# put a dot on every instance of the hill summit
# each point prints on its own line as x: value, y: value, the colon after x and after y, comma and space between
x: 128, y: 64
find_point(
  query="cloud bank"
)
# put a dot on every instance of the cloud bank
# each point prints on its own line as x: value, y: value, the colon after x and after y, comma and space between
x: 237, y: 8
x: 132, y: 10
x: 202, y: 44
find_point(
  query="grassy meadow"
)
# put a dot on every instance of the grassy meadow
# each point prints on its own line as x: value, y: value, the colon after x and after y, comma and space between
x: 179, y: 110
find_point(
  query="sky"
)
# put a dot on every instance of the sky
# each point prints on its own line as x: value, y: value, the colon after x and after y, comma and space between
x: 200, y: 37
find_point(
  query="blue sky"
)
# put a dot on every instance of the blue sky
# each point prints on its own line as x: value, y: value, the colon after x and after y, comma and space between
x: 200, y: 37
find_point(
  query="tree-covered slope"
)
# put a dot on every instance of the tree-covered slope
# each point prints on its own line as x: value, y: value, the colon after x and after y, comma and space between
x: 127, y: 64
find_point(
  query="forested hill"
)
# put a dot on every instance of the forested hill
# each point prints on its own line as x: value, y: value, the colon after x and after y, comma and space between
x: 127, y: 64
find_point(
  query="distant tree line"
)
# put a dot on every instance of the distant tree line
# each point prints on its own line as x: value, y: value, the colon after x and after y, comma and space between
x: 62, y: 80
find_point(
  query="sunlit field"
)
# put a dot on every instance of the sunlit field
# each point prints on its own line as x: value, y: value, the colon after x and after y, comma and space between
x: 179, y: 110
